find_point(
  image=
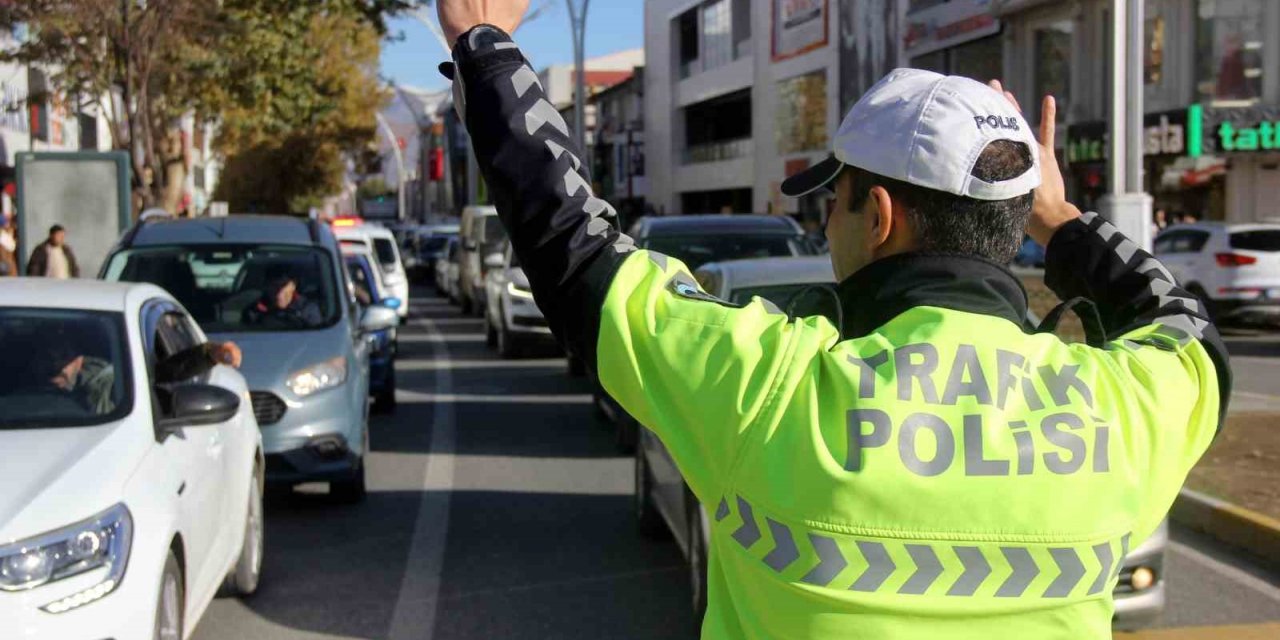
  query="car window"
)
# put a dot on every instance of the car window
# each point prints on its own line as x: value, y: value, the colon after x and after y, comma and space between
x: 365, y: 287
x: 1181, y: 242
x: 695, y: 251
x: 240, y: 287
x: 66, y: 368
x: 386, y: 251
x: 1257, y: 240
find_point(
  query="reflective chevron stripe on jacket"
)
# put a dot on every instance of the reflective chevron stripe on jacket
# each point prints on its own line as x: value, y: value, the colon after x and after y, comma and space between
x: 903, y: 567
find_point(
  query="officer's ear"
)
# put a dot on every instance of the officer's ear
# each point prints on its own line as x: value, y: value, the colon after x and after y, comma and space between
x: 878, y: 210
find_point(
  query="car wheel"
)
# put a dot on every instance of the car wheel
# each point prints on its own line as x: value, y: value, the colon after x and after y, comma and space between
x: 697, y: 558
x: 385, y: 402
x: 244, y: 576
x: 170, y: 604
x: 577, y: 368
x: 648, y: 520
x: 508, y: 346
x: 627, y: 433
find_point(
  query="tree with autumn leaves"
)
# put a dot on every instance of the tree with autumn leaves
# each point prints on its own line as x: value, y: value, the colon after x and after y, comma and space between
x: 290, y: 84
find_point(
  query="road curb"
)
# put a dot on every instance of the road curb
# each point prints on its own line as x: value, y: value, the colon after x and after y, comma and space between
x: 1230, y: 524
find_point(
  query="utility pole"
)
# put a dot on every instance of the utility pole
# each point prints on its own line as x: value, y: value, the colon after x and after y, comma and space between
x: 578, y: 23
x: 1126, y: 204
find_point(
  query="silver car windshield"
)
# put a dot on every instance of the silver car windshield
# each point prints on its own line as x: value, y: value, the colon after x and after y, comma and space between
x: 238, y: 288
x: 67, y: 368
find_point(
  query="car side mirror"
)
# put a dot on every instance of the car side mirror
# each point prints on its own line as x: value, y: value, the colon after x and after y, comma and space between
x: 378, y: 318
x: 391, y: 303
x: 195, y: 404
x: 493, y: 261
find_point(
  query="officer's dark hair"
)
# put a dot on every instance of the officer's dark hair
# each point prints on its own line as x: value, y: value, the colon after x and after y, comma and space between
x: 948, y: 223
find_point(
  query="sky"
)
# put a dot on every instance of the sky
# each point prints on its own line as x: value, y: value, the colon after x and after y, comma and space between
x: 612, y: 25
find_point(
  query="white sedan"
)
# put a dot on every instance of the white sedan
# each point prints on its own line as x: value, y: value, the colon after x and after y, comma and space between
x: 132, y: 466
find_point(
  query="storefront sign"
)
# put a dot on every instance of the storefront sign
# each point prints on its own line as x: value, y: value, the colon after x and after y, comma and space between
x: 1164, y: 134
x: 801, y: 114
x: 870, y: 45
x: 1241, y: 130
x: 947, y: 25
x: 799, y: 26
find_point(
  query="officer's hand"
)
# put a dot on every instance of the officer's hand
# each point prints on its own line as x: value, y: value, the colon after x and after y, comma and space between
x: 458, y: 16
x: 1050, y: 209
x: 227, y: 353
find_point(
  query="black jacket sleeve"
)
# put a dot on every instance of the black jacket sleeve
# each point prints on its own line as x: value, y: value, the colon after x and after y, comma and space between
x: 566, y: 238
x: 1090, y: 258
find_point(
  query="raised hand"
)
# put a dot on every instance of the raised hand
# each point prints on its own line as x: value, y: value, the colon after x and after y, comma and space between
x: 458, y: 16
x: 1050, y: 209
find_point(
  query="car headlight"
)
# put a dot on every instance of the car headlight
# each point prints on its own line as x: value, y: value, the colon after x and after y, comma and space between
x: 317, y: 377
x: 518, y: 291
x: 100, y: 541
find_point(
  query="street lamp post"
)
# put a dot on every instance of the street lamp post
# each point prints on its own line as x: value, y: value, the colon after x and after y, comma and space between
x: 1126, y: 204
x: 578, y: 24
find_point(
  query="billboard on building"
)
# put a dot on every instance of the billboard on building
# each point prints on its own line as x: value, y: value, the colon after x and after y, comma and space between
x: 870, y: 45
x: 946, y: 25
x: 799, y: 26
x: 801, y: 114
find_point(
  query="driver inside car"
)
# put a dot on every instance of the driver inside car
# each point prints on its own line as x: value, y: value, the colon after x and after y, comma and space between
x: 281, y: 305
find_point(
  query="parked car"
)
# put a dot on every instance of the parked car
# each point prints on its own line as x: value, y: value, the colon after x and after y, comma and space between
x: 386, y: 249
x: 1233, y: 268
x: 482, y: 235
x: 370, y: 291
x: 128, y: 500
x: 276, y: 286
x: 663, y: 502
x: 447, y: 269
x: 697, y: 240
x: 429, y: 244
x: 512, y: 320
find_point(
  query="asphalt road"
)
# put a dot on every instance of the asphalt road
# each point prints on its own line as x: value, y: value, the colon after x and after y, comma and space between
x: 498, y: 507
x: 1255, y: 361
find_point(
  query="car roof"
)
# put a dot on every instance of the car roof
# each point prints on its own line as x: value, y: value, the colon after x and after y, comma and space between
x: 237, y: 229
x: 763, y: 272
x: 699, y: 224
x: 363, y: 231
x: 351, y: 249
x: 76, y: 293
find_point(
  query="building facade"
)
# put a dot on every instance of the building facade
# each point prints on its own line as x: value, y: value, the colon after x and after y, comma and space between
x: 618, y: 167
x: 740, y: 94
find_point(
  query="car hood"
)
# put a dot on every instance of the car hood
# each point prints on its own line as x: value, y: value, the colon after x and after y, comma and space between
x: 54, y: 477
x: 270, y: 357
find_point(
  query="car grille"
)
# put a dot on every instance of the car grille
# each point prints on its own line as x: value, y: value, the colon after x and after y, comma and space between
x: 268, y: 408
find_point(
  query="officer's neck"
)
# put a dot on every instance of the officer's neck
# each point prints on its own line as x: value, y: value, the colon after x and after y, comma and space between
x: 885, y: 288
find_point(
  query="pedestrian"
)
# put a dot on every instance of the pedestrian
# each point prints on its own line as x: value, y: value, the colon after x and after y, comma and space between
x: 1159, y: 221
x: 8, y: 248
x: 54, y: 258
x: 930, y: 468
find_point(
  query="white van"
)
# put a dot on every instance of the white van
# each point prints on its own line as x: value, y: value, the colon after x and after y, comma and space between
x: 481, y: 235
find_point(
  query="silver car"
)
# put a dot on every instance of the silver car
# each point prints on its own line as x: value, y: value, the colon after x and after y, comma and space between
x: 663, y: 502
x: 512, y: 319
x: 277, y: 287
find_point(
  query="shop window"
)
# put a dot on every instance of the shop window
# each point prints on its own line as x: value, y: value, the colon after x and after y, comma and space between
x: 687, y: 33
x: 1229, y: 48
x: 1052, y: 56
x: 979, y: 59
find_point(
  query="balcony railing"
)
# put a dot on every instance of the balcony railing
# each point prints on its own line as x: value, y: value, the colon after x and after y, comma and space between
x: 717, y: 151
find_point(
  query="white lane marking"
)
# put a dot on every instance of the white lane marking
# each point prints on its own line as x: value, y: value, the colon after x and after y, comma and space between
x: 422, y: 364
x: 1237, y: 575
x: 414, y: 616
x: 516, y: 474
x: 500, y: 398
x: 436, y: 336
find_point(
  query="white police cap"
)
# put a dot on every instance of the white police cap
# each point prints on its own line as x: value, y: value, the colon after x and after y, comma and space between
x: 926, y: 129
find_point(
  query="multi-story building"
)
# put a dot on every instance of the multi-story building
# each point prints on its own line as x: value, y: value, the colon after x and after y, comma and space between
x: 1211, y: 90
x: 740, y: 94
x: 618, y: 150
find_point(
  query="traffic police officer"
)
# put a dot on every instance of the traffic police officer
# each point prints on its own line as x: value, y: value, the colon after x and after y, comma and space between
x: 930, y: 469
